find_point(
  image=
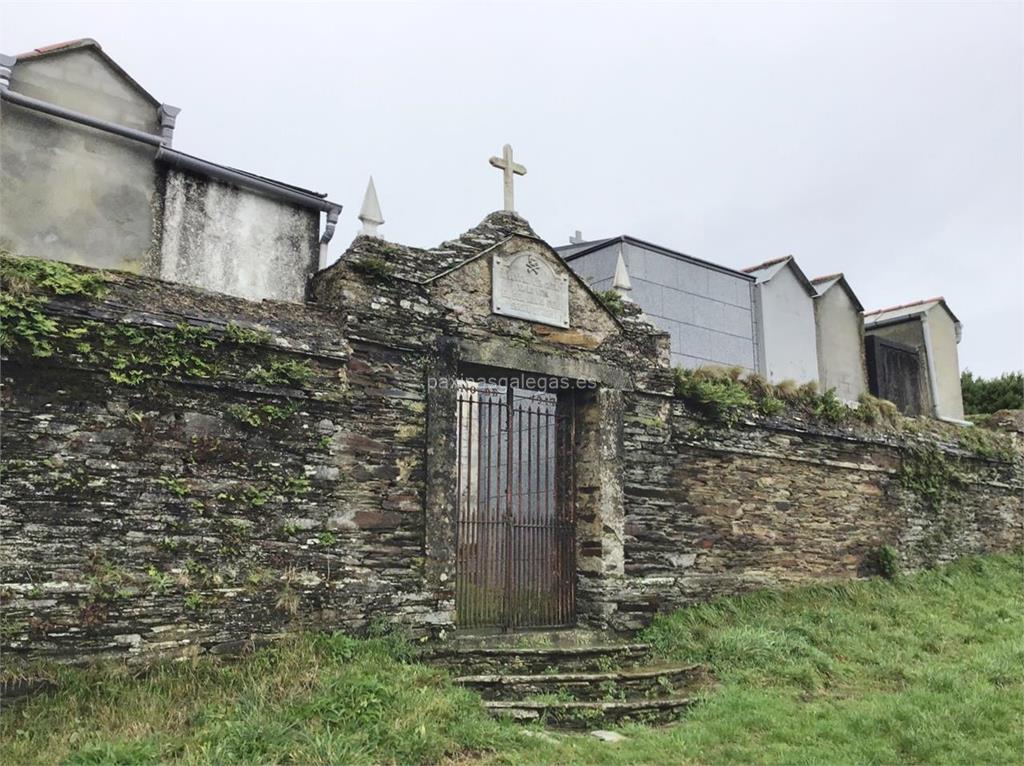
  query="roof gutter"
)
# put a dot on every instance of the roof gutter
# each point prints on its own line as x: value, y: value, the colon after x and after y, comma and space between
x: 6, y: 94
x: 184, y: 161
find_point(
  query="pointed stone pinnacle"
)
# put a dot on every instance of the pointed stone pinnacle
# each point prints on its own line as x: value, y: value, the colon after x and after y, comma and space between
x: 369, y: 213
x: 621, y: 282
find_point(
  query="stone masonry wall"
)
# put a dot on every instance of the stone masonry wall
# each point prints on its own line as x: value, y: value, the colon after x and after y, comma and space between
x: 189, y: 472
x: 776, y: 502
x: 185, y: 471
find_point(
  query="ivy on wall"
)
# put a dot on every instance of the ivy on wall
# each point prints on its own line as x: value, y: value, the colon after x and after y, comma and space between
x: 931, y: 474
x: 130, y: 354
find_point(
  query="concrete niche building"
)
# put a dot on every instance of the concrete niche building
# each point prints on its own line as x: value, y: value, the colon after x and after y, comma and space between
x: 912, y: 358
x: 787, y: 333
x: 707, y: 309
x: 89, y: 177
x: 839, y: 323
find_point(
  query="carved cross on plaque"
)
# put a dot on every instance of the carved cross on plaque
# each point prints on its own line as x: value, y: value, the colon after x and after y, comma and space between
x: 525, y: 286
x: 509, y: 169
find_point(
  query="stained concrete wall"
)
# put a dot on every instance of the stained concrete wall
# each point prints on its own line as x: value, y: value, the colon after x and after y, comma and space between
x: 69, y: 192
x: 946, y: 362
x: 790, y: 345
x: 84, y: 81
x: 234, y: 241
x: 707, y: 312
x: 840, y: 334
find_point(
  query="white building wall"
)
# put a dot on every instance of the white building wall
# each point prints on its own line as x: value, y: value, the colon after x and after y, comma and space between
x: 946, y: 361
x: 788, y: 329
x: 840, y: 341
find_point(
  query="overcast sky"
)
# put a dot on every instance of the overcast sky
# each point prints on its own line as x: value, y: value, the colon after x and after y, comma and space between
x: 881, y: 140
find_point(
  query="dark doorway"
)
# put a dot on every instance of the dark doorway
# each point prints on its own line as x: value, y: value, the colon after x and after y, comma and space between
x: 894, y: 373
x: 515, y: 521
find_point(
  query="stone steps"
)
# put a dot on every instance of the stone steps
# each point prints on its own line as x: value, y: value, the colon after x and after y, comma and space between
x: 539, y: 659
x: 568, y: 681
x: 641, y: 683
x: 578, y: 714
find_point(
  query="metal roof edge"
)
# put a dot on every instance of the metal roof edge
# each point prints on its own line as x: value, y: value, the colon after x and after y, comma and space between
x: 661, y: 250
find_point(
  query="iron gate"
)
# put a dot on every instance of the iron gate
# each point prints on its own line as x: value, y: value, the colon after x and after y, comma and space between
x: 515, y: 525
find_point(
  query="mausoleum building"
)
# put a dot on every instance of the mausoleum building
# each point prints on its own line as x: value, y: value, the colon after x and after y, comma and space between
x: 706, y: 309
x: 90, y: 177
x: 839, y: 324
x: 912, y: 357
x: 785, y: 321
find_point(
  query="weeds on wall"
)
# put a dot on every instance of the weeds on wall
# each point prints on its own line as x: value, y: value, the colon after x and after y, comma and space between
x: 726, y: 395
x: 887, y: 562
x: 132, y: 354
x: 987, y: 443
x: 26, y: 285
x: 720, y: 399
x: 612, y: 300
x: 931, y: 474
x: 374, y: 267
x: 281, y: 372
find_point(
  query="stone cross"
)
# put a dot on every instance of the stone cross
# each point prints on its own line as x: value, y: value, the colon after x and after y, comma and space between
x: 509, y: 169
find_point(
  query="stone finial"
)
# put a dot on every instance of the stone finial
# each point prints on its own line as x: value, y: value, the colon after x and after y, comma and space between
x: 509, y: 169
x: 168, y: 116
x: 621, y: 283
x: 576, y: 238
x: 369, y: 213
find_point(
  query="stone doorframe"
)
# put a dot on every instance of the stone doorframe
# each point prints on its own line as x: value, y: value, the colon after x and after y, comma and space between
x: 597, y: 461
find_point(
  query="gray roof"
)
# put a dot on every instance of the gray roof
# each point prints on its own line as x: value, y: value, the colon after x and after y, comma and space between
x: 906, y: 311
x: 823, y: 284
x: 579, y: 249
x: 765, y: 272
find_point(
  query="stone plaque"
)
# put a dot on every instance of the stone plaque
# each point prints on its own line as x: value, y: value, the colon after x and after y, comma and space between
x: 526, y: 286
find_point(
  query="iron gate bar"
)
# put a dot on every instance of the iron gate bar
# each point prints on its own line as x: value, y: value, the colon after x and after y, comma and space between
x: 515, y: 523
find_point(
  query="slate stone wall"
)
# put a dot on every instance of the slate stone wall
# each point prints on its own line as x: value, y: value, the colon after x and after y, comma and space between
x: 204, y: 507
x: 712, y: 512
x: 193, y: 472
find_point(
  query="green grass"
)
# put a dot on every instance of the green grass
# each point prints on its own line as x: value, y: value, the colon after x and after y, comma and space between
x: 928, y: 669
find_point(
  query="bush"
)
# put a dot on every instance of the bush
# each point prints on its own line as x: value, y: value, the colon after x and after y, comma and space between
x: 830, y: 408
x: 991, y: 395
x: 875, y: 411
x: 719, y: 398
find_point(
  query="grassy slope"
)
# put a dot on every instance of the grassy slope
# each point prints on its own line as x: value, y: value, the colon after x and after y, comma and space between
x: 926, y: 670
